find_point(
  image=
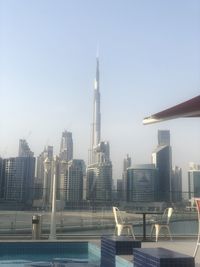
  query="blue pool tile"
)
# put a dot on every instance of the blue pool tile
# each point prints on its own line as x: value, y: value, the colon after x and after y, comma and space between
x: 161, y: 257
x: 42, y: 247
x: 112, y: 246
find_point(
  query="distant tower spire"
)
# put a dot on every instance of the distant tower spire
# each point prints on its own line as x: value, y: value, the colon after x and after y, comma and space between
x: 97, y: 55
x: 96, y: 129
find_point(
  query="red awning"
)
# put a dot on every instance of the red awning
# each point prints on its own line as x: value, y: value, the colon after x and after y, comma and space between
x: 190, y: 108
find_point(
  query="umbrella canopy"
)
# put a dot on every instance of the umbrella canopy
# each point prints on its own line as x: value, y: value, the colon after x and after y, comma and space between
x: 190, y: 108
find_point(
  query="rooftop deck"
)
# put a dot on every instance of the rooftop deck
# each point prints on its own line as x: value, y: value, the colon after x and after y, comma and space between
x: 89, y: 226
x: 183, y: 246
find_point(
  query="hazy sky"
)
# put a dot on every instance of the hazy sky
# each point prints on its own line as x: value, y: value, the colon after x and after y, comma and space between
x: 149, y: 61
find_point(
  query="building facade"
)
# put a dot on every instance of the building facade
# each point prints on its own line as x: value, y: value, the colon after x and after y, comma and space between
x: 194, y: 181
x: 66, y: 146
x: 176, y: 184
x: 162, y: 158
x: 142, y: 183
x: 42, y: 182
x: 163, y: 138
x: 99, y: 182
x: 18, y: 176
x: 2, y: 181
x: 74, y: 181
x: 126, y: 164
x: 99, y: 170
x: 24, y: 150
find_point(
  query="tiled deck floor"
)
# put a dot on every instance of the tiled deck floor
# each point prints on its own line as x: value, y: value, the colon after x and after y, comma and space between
x: 182, y: 246
x: 186, y: 246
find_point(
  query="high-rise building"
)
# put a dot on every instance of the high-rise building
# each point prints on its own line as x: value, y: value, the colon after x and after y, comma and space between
x: 99, y: 171
x: 194, y: 181
x: 176, y: 184
x: 163, y: 137
x: 24, y: 150
x: 126, y: 165
x: 162, y: 158
x: 74, y: 181
x: 46, y: 153
x: 99, y: 182
x: 194, y: 166
x: 66, y: 155
x: 43, y: 180
x: 141, y: 183
x: 96, y: 125
x: 19, y: 177
x: 18, y: 173
x: 66, y: 146
x: 2, y: 181
x: 120, y: 190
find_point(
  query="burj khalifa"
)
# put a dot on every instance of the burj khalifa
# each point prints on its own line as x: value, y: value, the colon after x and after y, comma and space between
x: 100, y: 151
x: 99, y: 171
x: 96, y: 131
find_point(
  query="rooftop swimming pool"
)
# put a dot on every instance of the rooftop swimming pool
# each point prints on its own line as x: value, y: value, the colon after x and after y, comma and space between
x: 48, y: 254
x: 52, y: 254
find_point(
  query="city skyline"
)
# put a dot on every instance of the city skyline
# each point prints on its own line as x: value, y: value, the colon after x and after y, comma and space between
x: 149, y: 58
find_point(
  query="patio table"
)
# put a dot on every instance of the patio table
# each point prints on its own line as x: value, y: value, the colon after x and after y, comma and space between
x: 144, y: 213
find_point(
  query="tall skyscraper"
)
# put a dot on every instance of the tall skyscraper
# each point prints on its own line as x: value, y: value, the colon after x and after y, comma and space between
x: 66, y: 146
x: 162, y: 158
x: 43, y: 180
x: 99, y: 182
x: 96, y: 125
x: 74, y: 181
x: 126, y: 164
x: 163, y: 137
x: 65, y: 156
x: 120, y: 190
x: 46, y: 153
x: 99, y: 171
x: 18, y: 175
x: 194, y: 181
x: 176, y: 184
x: 24, y: 150
x: 2, y: 181
x: 141, y: 183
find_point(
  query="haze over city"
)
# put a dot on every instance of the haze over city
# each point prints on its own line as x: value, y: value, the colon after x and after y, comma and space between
x: 149, y: 60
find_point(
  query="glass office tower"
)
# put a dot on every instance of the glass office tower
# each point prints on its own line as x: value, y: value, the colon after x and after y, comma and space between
x: 141, y: 183
x: 194, y: 182
x: 162, y: 158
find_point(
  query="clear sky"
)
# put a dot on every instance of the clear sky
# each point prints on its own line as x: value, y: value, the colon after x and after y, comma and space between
x: 149, y: 61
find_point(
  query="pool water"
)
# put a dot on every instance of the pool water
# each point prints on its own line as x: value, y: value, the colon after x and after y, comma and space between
x: 48, y: 254
x: 57, y: 262
x: 42, y: 259
x: 52, y: 254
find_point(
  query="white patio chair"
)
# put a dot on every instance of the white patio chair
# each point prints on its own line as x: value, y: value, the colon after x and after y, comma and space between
x: 163, y: 223
x: 197, y: 200
x: 120, y: 224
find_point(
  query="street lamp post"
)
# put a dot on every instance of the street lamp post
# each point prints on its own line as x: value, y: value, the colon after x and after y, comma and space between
x: 47, y: 167
x: 53, y: 212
